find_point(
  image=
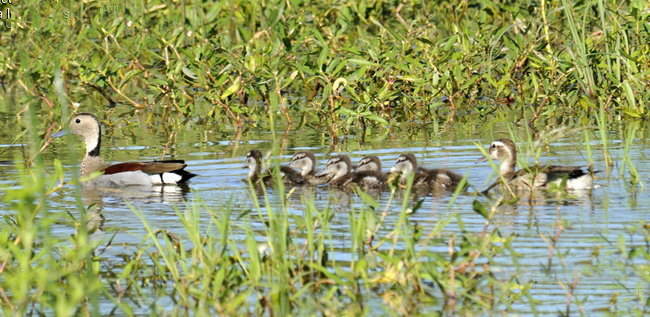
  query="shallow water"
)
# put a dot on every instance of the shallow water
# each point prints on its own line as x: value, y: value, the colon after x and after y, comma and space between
x: 596, y: 219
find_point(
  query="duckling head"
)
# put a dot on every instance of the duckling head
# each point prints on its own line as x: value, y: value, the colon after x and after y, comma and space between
x: 405, y: 165
x: 253, y: 162
x: 303, y: 161
x: 370, y: 164
x: 339, y: 166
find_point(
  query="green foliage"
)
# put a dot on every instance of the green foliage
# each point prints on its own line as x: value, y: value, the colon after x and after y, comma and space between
x: 343, y: 66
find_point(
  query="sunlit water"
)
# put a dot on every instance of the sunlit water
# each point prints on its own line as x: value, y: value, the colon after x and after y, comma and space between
x: 598, y: 219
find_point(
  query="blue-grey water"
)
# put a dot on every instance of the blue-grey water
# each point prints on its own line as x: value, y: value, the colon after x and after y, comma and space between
x: 601, y: 219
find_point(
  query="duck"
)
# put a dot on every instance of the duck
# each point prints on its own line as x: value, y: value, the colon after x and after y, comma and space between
x: 255, y: 175
x: 149, y: 173
x: 339, y: 167
x: 305, y: 163
x: 369, y: 163
x: 536, y: 176
x: 424, y: 178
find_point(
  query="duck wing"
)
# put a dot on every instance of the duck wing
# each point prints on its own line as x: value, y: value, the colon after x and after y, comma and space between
x: 153, y: 167
x: 553, y: 172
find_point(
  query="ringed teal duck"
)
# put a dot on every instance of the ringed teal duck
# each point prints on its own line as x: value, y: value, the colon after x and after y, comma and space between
x: 87, y: 126
x: 537, y: 176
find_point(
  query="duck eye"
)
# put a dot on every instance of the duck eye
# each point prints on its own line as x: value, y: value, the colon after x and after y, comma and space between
x: 78, y: 121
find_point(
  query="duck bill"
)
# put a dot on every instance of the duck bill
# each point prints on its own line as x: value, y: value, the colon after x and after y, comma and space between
x: 481, y: 159
x: 60, y: 134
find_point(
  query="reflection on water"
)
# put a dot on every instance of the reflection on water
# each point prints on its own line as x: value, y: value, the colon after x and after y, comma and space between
x: 590, y: 220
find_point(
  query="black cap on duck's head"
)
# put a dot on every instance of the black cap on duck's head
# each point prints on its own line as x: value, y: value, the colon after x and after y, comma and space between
x: 304, y: 161
x: 405, y: 164
x: 253, y: 159
x: 339, y: 165
x: 369, y: 163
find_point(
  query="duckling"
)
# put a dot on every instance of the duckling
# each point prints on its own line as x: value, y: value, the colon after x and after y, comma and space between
x: 369, y: 163
x: 87, y: 126
x: 305, y: 162
x: 430, y: 179
x: 537, y: 176
x: 339, y: 168
x: 254, y: 165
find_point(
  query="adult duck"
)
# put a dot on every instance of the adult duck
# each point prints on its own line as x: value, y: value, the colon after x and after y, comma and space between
x: 536, y: 176
x: 164, y: 172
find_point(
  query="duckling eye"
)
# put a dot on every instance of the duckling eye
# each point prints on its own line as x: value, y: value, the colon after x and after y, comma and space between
x: 78, y: 121
x: 494, y: 146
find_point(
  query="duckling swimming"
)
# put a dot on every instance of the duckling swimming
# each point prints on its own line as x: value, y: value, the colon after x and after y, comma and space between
x: 424, y: 179
x: 255, y: 175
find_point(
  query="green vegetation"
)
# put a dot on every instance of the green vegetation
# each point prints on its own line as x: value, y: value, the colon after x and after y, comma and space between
x: 339, y: 65
x: 344, y: 67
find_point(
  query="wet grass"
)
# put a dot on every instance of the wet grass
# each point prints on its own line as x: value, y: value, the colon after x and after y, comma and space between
x: 342, y: 68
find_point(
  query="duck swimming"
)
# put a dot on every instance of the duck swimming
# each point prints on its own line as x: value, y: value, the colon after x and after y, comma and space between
x: 255, y: 175
x: 429, y: 179
x: 537, y: 176
x: 339, y: 167
x: 164, y: 172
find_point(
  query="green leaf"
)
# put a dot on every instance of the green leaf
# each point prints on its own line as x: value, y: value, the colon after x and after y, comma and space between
x: 232, y: 89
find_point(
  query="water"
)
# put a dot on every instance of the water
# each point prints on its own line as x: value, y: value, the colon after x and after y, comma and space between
x: 591, y: 221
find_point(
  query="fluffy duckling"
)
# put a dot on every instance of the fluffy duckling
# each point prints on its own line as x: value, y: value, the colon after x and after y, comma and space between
x: 339, y: 167
x: 369, y: 163
x: 255, y: 175
x: 534, y: 177
x: 430, y: 179
x: 305, y: 162
x: 87, y: 126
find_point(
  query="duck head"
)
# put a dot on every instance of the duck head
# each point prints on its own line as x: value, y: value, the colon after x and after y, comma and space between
x: 304, y: 161
x: 405, y: 165
x: 370, y: 164
x: 87, y: 126
x: 338, y: 166
x: 503, y: 150
x: 253, y: 163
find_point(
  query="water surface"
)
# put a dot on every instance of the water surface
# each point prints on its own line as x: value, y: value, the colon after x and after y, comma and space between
x: 592, y: 220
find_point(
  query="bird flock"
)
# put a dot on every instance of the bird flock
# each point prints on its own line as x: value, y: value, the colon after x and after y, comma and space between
x: 338, y: 172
